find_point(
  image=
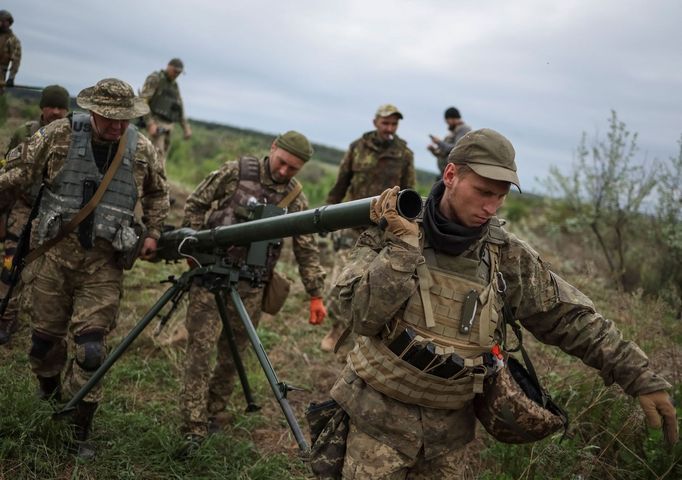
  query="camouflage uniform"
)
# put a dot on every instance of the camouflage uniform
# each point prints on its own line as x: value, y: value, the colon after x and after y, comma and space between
x: 17, y: 217
x: 204, y: 208
x: 10, y: 53
x: 77, y: 290
x: 369, y: 167
x: 157, y: 87
x: 375, y: 288
x: 447, y: 144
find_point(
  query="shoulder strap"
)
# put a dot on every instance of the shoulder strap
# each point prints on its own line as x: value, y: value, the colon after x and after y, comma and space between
x: 291, y: 196
x: 89, y: 207
x: 249, y: 169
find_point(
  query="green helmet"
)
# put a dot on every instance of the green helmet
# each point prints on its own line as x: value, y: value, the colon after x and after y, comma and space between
x: 513, y: 408
x: 5, y: 15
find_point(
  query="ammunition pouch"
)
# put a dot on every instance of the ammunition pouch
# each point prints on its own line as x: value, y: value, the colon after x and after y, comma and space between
x: 128, y: 242
x: 329, y: 426
x: 275, y: 294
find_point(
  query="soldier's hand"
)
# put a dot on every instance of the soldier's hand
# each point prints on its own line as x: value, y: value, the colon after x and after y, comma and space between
x: 188, y: 132
x: 658, y: 408
x: 434, y: 138
x: 383, y: 210
x: 148, y: 251
x: 317, y: 311
x: 152, y: 129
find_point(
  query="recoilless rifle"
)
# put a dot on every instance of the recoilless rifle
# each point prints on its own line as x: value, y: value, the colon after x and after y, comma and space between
x: 209, y: 250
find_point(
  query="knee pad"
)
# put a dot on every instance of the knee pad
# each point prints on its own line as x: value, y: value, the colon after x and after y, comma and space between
x: 90, y: 350
x: 41, y: 344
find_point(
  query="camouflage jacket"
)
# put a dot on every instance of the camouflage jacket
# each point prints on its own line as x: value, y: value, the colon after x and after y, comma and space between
x: 380, y: 278
x: 45, y: 155
x: 24, y: 133
x: 10, y: 53
x: 370, y: 166
x: 448, y: 143
x: 221, y: 184
x: 149, y: 89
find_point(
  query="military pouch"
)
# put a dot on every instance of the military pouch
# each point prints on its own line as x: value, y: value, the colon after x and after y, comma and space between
x: 329, y: 426
x: 128, y: 242
x: 276, y: 293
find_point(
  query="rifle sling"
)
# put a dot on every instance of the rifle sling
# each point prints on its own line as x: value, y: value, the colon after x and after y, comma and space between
x: 291, y: 196
x: 88, y: 208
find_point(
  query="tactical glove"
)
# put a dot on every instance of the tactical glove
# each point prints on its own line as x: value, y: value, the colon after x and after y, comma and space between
x: 657, y: 405
x: 385, y: 209
x: 317, y: 311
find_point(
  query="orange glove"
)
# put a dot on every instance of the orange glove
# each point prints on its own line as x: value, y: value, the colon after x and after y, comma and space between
x: 317, y: 311
x: 657, y: 405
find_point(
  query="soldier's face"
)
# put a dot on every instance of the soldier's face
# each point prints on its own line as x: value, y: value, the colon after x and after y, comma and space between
x: 173, y: 72
x: 387, y: 126
x: 50, y: 114
x: 108, y: 129
x: 470, y: 199
x: 452, y: 123
x: 283, y: 165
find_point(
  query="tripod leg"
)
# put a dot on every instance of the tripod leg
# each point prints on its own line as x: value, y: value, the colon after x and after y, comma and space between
x: 123, y: 346
x: 251, y: 405
x: 277, y: 388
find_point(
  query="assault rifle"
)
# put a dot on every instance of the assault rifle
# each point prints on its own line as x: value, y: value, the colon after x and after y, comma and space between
x: 220, y: 273
x: 11, y: 276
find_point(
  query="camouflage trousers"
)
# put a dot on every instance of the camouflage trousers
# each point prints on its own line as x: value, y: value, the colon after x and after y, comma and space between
x: 206, y: 393
x: 162, y: 140
x: 76, y: 293
x: 367, y: 457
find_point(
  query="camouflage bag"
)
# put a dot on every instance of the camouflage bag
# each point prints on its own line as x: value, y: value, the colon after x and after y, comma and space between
x: 328, y: 424
x: 276, y: 293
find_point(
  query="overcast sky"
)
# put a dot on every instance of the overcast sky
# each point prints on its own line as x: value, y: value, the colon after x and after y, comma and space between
x: 539, y: 72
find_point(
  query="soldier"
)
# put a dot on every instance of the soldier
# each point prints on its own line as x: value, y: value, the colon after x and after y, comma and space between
x: 221, y: 199
x: 457, y: 129
x: 76, y: 281
x: 374, y: 162
x: 54, y: 104
x: 10, y: 50
x: 413, y: 280
x: 161, y: 92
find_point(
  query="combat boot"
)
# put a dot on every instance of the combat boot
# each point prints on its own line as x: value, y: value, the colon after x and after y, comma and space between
x: 82, y: 423
x: 329, y: 341
x: 50, y: 388
x: 219, y: 422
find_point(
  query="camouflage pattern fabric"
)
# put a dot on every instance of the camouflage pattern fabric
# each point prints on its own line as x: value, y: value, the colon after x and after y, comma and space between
x: 68, y: 300
x: 23, y: 133
x: 220, y: 185
x: 112, y: 98
x: 370, y: 166
x: 367, y: 457
x: 16, y: 220
x: 328, y: 431
x: 379, y: 279
x: 10, y: 54
x: 207, y: 393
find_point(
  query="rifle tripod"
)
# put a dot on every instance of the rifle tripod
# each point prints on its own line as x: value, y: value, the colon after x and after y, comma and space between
x: 220, y: 280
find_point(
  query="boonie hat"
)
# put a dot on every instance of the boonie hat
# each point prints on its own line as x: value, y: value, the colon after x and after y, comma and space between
x: 112, y: 98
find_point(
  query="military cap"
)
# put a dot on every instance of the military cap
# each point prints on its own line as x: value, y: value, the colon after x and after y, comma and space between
x: 177, y: 63
x: 388, y: 110
x: 5, y: 15
x: 112, y: 98
x: 488, y: 153
x: 55, y: 96
x: 296, y: 144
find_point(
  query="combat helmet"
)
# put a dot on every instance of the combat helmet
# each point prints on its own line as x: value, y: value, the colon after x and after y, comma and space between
x: 514, y: 408
x: 5, y: 15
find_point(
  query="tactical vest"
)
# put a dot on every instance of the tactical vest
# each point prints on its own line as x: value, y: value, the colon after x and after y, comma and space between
x: 434, y: 314
x: 235, y: 209
x: 376, y: 167
x: 113, y: 215
x: 165, y: 102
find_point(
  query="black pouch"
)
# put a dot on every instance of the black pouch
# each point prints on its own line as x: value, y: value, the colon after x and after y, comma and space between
x: 328, y: 424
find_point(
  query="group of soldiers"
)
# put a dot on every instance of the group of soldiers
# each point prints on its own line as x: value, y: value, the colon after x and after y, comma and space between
x: 441, y: 288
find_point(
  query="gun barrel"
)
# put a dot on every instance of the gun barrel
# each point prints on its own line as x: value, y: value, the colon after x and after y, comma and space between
x: 327, y: 218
